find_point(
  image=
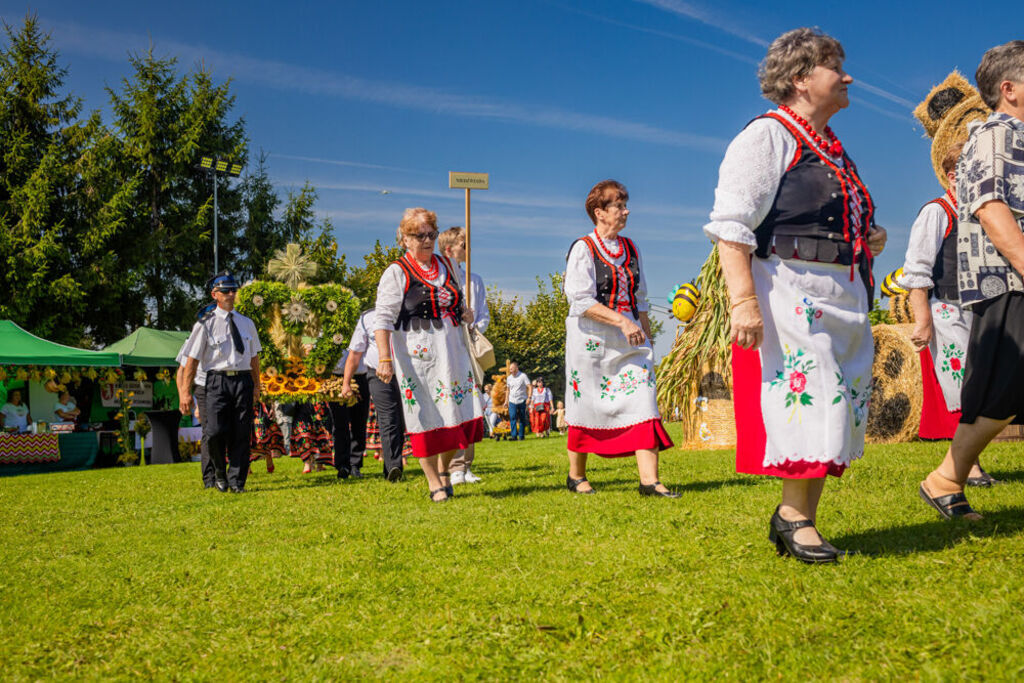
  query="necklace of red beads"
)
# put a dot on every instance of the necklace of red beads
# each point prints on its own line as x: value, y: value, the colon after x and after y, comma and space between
x: 951, y: 198
x: 600, y: 245
x: 428, y: 273
x: 833, y: 147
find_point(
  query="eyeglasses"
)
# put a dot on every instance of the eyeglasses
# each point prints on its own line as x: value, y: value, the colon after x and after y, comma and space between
x: 424, y: 236
x: 227, y: 291
x: 621, y: 206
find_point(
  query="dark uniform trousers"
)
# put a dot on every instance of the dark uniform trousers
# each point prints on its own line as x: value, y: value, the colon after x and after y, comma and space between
x: 350, y: 428
x: 390, y: 421
x: 229, y: 423
x: 209, y: 472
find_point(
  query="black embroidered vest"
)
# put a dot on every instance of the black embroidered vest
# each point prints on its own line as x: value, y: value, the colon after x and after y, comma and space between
x: 944, y: 270
x: 607, y: 281
x: 424, y: 301
x: 812, y: 208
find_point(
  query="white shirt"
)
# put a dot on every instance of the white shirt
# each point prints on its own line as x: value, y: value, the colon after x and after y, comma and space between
x: 64, y: 407
x: 364, y: 342
x: 214, y: 348
x: 182, y: 356
x: 15, y: 416
x: 518, y: 388
x: 926, y: 236
x: 543, y: 396
x: 391, y: 293
x: 481, y: 314
x: 580, y: 283
x: 749, y: 178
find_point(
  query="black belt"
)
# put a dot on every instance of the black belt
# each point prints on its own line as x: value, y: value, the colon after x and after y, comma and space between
x: 816, y: 249
x: 228, y: 373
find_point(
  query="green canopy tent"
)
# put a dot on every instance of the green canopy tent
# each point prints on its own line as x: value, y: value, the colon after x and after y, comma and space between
x: 146, y: 347
x: 18, y: 347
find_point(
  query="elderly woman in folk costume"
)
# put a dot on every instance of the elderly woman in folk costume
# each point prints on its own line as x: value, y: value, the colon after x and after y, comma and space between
x: 941, y: 325
x: 609, y: 362
x: 795, y: 229
x: 420, y: 306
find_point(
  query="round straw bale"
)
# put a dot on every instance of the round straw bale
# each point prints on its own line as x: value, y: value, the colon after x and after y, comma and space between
x: 895, y: 412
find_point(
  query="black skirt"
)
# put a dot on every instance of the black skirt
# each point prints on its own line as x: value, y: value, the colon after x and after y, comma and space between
x: 994, y: 376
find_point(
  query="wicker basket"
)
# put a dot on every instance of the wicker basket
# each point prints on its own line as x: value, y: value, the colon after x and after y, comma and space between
x: 895, y: 412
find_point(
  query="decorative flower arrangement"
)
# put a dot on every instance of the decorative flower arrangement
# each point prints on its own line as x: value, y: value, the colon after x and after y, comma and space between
x: 164, y: 375
x: 124, y: 432
x: 140, y: 375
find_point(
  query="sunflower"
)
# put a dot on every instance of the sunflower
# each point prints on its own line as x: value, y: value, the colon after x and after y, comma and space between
x: 300, y: 382
x: 271, y: 371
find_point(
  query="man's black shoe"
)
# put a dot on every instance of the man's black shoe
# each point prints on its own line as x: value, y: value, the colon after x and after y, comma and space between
x: 208, y: 485
x: 237, y: 489
x: 356, y: 474
x: 343, y: 473
x: 395, y: 474
x: 221, y: 485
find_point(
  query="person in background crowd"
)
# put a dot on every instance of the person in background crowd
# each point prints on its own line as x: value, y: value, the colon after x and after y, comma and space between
x: 66, y: 409
x: 15, y: 414
x: 419, y: 312
x: 516, y: 395
x: 387, y: 402
x: 453, y: 245
x: 559, y: 412
x: 540, y: 408
x: 929, y: 274
x: 609, y: 361
x: 490, y: 418
x: 794, y: 224
x: 350, y: 421
x: 226, y: 346
x: 990, y: 251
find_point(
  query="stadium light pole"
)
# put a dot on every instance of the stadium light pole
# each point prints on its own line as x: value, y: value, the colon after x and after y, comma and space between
x: 216, y: 167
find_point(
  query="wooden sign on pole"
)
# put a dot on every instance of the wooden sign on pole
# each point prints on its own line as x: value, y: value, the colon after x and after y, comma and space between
x: 468, y: 181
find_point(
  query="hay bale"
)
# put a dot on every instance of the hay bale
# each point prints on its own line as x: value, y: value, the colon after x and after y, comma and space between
x: 895, y: 412
x: 716, y: 426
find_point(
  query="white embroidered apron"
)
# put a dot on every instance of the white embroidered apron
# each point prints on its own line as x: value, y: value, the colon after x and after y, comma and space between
x: 435, y: 377
x: 609, y: 382
x: 815, y: 361
x: 952, y: 328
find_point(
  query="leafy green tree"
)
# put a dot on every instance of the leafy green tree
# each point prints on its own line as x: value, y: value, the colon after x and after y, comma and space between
x: 263, y: 234
x: 61, y: 210
x: 166, y: 123
x: 363, y: 280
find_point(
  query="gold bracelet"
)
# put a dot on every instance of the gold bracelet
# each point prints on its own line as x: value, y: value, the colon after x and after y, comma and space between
x: 752, y: 297
x: 383, y: 360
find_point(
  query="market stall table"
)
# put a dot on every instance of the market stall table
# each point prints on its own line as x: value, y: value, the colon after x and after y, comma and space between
x: 31, y: 453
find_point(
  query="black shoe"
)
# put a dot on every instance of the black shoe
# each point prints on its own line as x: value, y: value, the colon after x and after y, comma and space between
x: 343, y: 473
x: 652, y: 490
x: 781, y: 534
x: 237, y: 489
x: 448, y: 488
x: 984, y: 481
x: 394, y: 474
x: 446, y: 498
x: 573, y: 485
x: 222, y: 485
x: 208, y: 485
x: 356, y: 474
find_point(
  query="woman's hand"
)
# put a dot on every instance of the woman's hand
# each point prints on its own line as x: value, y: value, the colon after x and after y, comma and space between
x: 747, y: 327
x: 385, y: 371
x: 876, y: 239
x: 467, y: 315
x: 632, y: 332
x: 922, y: 334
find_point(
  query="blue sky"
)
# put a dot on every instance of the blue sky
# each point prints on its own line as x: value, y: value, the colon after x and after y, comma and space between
x: 547, y: 97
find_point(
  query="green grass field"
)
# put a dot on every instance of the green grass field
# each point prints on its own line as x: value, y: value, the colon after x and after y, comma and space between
x: 140, y: 572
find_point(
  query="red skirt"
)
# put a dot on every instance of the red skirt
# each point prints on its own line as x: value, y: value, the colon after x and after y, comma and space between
x: 937, y: 421
x: 266, y: 435
x: 751, y: 437
x: 619, y: 442
x: 540, y: 421
x: 443, y: 439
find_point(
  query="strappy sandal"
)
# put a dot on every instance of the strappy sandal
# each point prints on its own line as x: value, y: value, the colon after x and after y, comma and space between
x: 439, y: 500
x: 984, y: 481
x: 573, y: 485
x: 950, y: 506
x: 448, y: 488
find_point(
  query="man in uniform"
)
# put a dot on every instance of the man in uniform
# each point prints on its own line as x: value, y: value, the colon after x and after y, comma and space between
x: 226, y: 346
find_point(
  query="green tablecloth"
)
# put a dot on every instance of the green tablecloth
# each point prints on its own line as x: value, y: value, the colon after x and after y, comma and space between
x: 77, y: 452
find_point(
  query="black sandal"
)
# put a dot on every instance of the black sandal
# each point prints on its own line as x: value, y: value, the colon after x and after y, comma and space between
x: 984, y: 481
x: 573, y: 485
x: 448, y: 488
x: 949, y: 506
x: 652, y: 490
x: 441, y: 500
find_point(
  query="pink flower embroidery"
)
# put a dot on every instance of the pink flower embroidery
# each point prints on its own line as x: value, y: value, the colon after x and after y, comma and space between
x: 797, y: 382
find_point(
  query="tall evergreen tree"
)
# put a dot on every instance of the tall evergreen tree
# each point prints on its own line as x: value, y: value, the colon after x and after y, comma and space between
x: 166, y: 124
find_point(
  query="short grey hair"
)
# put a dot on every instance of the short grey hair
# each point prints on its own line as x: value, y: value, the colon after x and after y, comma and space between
x: 1001, y: 63
x: 794, y: 54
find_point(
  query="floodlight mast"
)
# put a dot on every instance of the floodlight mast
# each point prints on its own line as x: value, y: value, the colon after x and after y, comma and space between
x: 217, y: 167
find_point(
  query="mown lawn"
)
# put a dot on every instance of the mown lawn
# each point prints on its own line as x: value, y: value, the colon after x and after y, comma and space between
x: 139, y: 572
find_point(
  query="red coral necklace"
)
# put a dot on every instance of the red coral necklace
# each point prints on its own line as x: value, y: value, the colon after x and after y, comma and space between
x: 428, y: 273
x: 833, y: 147
x: 600, y: 245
